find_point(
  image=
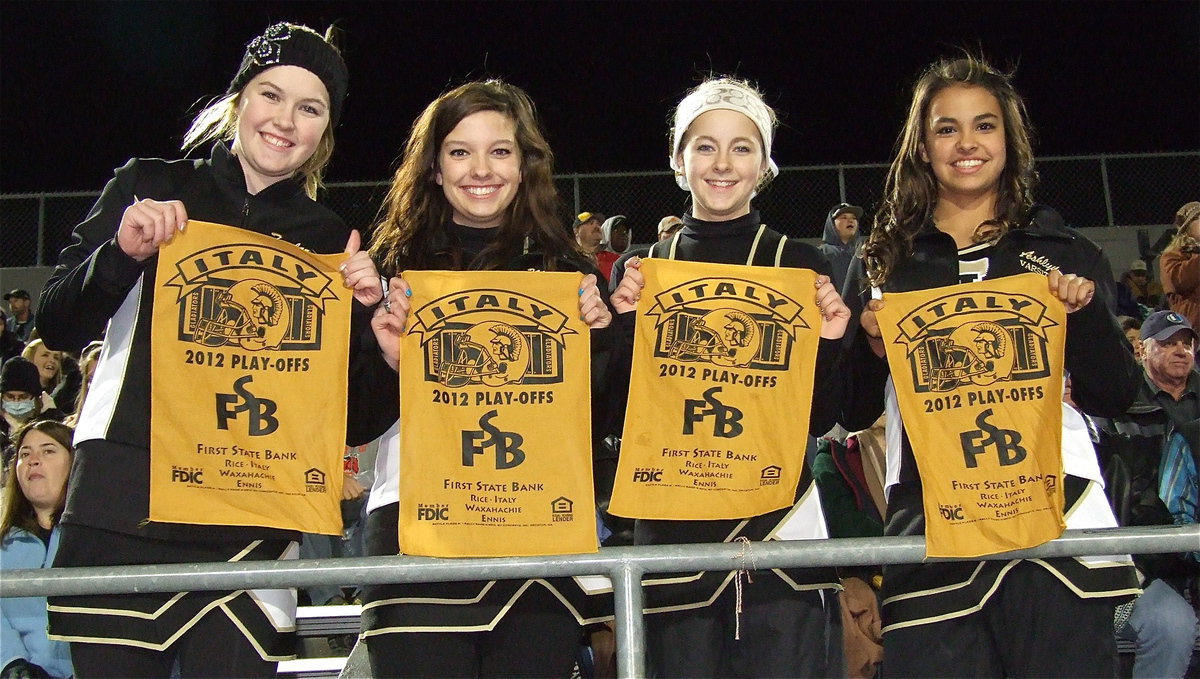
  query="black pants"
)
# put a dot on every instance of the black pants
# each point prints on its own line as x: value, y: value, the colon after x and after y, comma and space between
x: 213, y: 648
x: 793, y: 635
x: 1032, y: 627
x: 537, y: 638
x: 119, y: 633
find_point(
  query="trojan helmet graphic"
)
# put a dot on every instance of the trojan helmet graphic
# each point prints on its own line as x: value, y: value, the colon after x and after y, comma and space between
x: 724, y: 337
x: 978, y: 353
x: 251, y: 313
x: 491, y: 352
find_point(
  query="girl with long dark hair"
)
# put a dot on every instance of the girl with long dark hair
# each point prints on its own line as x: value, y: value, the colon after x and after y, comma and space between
x: 473, y: 192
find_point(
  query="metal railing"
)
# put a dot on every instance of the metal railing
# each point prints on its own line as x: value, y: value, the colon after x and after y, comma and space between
x: 625, y: 566
x: 1133, y: 189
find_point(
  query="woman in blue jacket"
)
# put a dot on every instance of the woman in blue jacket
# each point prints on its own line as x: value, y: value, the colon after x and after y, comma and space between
x: 29, y: 539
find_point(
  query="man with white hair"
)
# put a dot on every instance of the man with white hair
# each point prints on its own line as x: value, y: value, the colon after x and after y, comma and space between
x: 1132, y: 449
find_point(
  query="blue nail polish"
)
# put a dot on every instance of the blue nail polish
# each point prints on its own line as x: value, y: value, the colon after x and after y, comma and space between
x: 581, y: 292
x: 408, y: 293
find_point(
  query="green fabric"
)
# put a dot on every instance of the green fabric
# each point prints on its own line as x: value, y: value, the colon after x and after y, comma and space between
x: 842, y: 514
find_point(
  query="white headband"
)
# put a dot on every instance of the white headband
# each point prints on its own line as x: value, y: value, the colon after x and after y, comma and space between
x: 730, y: 96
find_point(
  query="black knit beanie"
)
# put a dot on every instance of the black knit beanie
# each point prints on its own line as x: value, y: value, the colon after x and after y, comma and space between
x: 285, y: 44
x: 18, y: 374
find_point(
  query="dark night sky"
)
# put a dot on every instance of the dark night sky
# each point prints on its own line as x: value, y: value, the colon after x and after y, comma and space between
x: 85, y: 86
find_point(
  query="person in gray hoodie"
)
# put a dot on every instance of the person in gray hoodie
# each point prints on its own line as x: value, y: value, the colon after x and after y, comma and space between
x: 840, y: 239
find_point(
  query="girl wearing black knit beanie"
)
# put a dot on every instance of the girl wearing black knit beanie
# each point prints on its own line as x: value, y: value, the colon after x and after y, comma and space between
x: 271, y: 136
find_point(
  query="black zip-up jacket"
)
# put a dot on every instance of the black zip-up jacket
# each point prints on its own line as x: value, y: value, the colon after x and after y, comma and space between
x: 96, y: 288
x: 1104, y: 377
x: 1131, y: 449
x: 730, y: 242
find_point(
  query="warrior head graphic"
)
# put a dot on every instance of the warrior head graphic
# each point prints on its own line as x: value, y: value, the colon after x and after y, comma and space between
x: 723, y: 336
x: 491, y: 353
x: 252, y: 314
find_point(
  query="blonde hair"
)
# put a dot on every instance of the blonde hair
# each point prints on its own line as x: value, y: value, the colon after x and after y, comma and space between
x: 28, y: 354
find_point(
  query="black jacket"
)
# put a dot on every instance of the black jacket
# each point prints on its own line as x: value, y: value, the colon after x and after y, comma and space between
x: 97, y: 288
x: 1104, y: 376
x: 728, y: 242
x: 1131, y: 447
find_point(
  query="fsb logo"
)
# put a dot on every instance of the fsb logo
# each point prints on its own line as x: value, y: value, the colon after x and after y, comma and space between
x: 260, y: 411
x: 1007, y: 442
x: 433, y: 512
x: 647, y: 475
x: 951, y: 512
x: 507, y: 444
x: 187, y: 475
x: 726, y: 419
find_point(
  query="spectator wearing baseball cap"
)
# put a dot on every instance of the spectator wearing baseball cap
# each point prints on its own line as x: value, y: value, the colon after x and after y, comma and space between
x: 1136, y: 288
x: 20, y: 318
x: 587, y: 232
x: 614, y: 241
x: 668, y: 226
x: 1136, y: 448
x: 840, y: 239
x: 1170, y: 362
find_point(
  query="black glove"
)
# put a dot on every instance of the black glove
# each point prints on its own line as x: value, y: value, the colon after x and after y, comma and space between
x: 23, y: 669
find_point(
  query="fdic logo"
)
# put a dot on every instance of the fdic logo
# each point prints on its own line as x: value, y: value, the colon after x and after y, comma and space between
x: 647, y: 475
x: 951, y: 512
x: 433, y: 512
x: 189, y: 475
x: 314, y: 481
x: 562, y: 509
x: 770, y: 476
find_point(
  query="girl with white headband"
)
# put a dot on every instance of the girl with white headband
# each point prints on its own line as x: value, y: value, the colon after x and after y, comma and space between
x: 777, y: 623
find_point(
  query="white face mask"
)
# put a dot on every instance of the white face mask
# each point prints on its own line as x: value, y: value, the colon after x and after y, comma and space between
x: 19, y: 408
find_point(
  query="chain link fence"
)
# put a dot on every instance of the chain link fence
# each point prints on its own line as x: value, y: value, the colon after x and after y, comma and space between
x: 1103, y: 190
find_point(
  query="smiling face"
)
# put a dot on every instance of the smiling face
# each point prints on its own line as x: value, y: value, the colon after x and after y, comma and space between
x: 47, y: 363
x: 282, y: 114
x: 722, y: 160
x: 479, y: 169
x: 43, y: 466
x: 964, y: 143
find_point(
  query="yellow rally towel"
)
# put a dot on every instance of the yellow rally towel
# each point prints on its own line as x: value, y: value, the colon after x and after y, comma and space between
x: 978, y: 371
x: 248, y: 382
x: 720, y: 393
x: 495, y: 416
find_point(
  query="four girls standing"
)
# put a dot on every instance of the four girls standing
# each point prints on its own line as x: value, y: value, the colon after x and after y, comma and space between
x: 475, y: 192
